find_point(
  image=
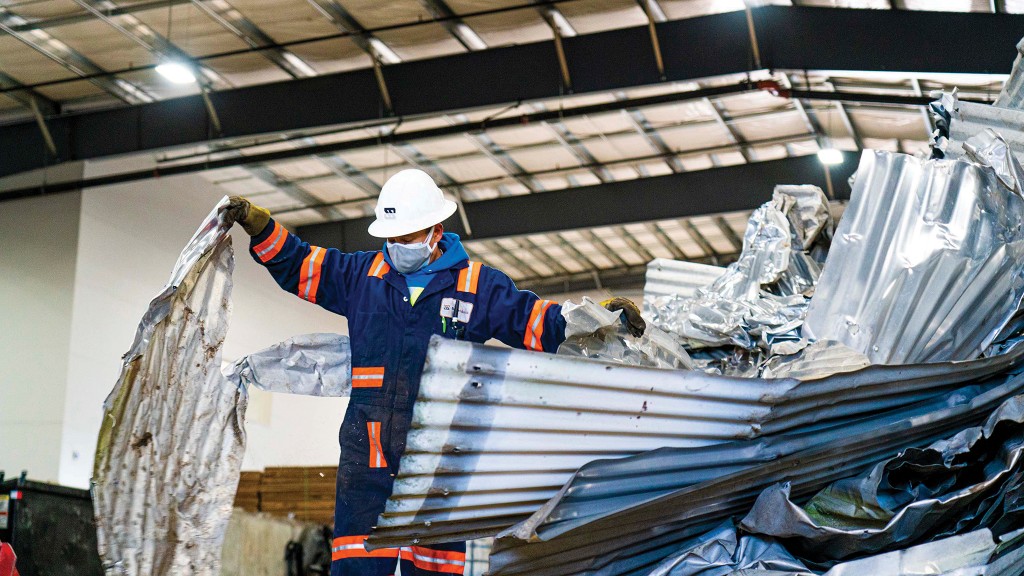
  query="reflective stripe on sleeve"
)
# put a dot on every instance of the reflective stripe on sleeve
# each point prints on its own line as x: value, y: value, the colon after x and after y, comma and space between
x: 272, y: 245
x: 469, y: 277
x: 377, y: 459
x: 379, y: 267
x: 367, y: 377
x: 309, y: 274
x: 535, y: 326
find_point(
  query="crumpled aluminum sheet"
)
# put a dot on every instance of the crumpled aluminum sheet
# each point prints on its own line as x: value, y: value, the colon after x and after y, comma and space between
x: 309, y: 364
x: 594, y: 332
x: 635, y: 537
x: 920, y: 493
x: 1012, y: 94
x: 497, y: 432
x: 723, y: 552
x: 818, y: 360
x: 989, y: 149
x: 927, y: 264
x: 761, y: 298
x: 171, y: 444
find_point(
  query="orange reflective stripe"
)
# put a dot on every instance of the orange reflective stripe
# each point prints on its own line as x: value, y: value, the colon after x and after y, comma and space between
x: 379, y: 267
x: 448, y: 562
x: 469, y: 277
x: 377, y: 459
x: 309, y: 273
x: 535, y: 326
x: 367, y: 377
x: 270, y: 247
x: 355, y: 547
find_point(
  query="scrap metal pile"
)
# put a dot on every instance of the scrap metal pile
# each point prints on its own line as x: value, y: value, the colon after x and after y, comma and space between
x: 850, y: 399
x: 840, y: 400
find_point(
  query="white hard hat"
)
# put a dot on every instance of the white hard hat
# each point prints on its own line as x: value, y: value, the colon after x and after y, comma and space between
x: 409, y: 202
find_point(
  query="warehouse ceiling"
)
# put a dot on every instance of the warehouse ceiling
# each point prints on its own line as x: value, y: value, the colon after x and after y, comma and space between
x: 72, y: 65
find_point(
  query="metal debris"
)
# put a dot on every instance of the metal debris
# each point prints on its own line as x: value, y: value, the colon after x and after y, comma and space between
x: 310, y: 364
x: 926, y: 265
x: 759, y: 301
x: 172, y: 439
x: 642, y: 532
x: 594, y: 332
x: 497, y: 432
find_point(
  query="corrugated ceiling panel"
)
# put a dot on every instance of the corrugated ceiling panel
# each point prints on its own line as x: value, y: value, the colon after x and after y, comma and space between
x: 44, y: 8
x: 448, y: 146
x: 597, y: 124
x: 104, y: 45
x: 699, y: 162
x: 192, y: 30
x: 300, y: 168
x: 891, y: 124
x: 596, y: 16
x: 676, y: 9
x: 338, y: 55
x: 678, y: 113
x: 247, y: 69
x: 751, y: 102
x: 545, y: 158
x: 507, y: 28
x: 707, y: 135
x: 424, y: 41
x: 28, y: 66
x: 471, y: 168
x: 334, y: 190
x: 946, y: 5
x: 778, y: 125
x: 73, y: 91
x: 286, y: 20
x: 367, y: 158
x: 302, y: 218
x: 612, y: 148
x: 522, y: 135
x: 763, y: 153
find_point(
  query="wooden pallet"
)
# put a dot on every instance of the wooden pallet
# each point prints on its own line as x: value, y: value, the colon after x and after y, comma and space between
x: 303, y: 493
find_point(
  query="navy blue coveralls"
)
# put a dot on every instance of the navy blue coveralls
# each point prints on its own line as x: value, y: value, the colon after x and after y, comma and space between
x: 389, y: 335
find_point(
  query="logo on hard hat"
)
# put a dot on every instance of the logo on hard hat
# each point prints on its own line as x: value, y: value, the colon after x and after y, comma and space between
x: 389, y: 212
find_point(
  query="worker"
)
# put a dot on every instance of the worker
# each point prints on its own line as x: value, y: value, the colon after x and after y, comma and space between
x: 419, y: 284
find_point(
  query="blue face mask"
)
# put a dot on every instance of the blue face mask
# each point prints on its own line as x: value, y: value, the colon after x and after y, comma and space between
x: 410, y: 257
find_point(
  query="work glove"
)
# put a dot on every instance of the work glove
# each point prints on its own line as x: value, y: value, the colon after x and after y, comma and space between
x: 630, y: 313
x: 252, y: 218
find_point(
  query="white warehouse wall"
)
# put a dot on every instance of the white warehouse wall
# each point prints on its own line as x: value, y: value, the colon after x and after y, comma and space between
x: 37, y: 273
x: 129, y: 239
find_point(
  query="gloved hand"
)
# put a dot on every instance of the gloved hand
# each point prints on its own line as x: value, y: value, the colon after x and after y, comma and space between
x: 252, y: 218
x: 630, y: 313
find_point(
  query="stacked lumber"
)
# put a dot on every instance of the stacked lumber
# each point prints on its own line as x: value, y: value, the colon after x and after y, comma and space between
x: 305, y: 493
x: 248, y: 495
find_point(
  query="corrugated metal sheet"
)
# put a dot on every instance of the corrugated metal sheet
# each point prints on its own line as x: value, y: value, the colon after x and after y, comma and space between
x: 927, y: 264
x: 636, y: 538
x: 173, y: 434
x: 971, y: 119
x: 675, y: 277
x: 496, y: 432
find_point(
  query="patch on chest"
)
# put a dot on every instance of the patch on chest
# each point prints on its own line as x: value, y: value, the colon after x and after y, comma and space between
x: 456, y: 310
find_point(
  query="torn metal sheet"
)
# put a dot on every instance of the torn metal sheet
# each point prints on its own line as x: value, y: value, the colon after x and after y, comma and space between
x: 968, y: 119
x: 820, y: 359
x: 637, y: 538
x: 309, y: 364
x: 171, y: 443
x: 920, y: 493
x: 594, y: 332
x: 496, y: 432
x: 722, y: 552
x: 759, y: 301
x: 927, y: 264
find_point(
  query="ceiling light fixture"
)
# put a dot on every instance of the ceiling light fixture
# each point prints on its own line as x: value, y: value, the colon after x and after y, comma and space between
x: 176, y: 72
x: 830, y: 156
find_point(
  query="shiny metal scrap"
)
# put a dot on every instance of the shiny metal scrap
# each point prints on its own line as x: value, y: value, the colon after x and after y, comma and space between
x: 926, y: 264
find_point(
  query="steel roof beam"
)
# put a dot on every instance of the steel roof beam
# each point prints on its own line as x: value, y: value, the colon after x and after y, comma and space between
x: 25, y: 96
x: 791, y: 38
x: 615, y: 203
